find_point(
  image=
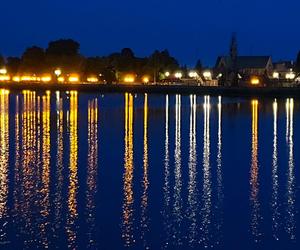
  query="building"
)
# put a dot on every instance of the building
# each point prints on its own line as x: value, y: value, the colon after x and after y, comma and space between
x: 246, y: 68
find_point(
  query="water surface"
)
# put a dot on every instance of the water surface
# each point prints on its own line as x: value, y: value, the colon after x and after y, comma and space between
x: 145, y: 171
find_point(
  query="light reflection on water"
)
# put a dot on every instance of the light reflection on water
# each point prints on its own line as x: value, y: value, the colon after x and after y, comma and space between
x: 275, y: 181
x: 254, y: 176
x: 167, y: 188
x: 4, y: 161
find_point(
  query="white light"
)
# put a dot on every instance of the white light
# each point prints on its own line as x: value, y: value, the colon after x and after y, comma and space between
x: 3, y: 71
x: 178, y: 74
x: 57, y: 72
x: 275, y: 75
x: 193, y: 74
x: 290, y: 76
x: 167, y: 74
x: 207, y: 75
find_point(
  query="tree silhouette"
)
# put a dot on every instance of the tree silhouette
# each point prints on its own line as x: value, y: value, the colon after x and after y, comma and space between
x: 33, y: 60
x: 2, y: 62
x: 64, y: 53
x: 198, y: 66
x: 297, y: 66
x: 13, y: 64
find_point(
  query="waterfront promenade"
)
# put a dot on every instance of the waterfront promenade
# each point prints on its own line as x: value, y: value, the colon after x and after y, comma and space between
x: 159, y: 89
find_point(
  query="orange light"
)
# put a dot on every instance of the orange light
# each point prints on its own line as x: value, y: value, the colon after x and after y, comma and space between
x: 28, y: 78
x: 16, y: 79
x: 145, y: 79
x: 74, y: 78
x: 92, y: 79
x: 61, y: 79
x: 129, y: 78
x: 46, y: 78
x: 255, y: 81
x: 4, y: 78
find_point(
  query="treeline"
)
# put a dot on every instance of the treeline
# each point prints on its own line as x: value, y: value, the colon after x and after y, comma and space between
x: 65, y: 55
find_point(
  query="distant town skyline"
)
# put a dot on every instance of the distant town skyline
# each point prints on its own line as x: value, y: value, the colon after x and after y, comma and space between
x: 190, y: 30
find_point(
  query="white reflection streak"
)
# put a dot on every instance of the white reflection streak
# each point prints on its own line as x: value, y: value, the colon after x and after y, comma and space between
x: 177, y: 210
x: 59, y: 163
x: 92, y: 167
x: 287, y: 105
x: 219, y: 173
x: 166, y: 187
x: 290, y: 222
x: 145, y: 185
x: 207, y: 191
x: 275, y: 185
x: 192, y: 184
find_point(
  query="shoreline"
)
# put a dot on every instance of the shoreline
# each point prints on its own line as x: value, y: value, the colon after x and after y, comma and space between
x: 160, y: 89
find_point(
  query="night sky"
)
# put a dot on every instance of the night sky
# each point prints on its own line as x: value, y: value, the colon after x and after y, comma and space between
x: 190, y: 29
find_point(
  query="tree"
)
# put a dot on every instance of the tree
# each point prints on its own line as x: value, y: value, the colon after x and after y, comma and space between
x: 159, y: 62
x: 63, y: 47
x: 64, y: 54
x: 13, y: 64
x: 198, y: 66
x: 297, y: 66
x: 33, y: 60
x: 2, y: 61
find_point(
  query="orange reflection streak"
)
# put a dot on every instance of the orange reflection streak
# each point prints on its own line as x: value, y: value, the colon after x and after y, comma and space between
x: 73, y: 177
x: 4, y: 156
x: 144, y: 217
x: 127, y: 231
x: 291, y: 211
x: 27, y: 197
x: 45, y: 191
x: 17, y: 157
x: 92, y: 168
x: 192, y: 183
x: 254, y: 171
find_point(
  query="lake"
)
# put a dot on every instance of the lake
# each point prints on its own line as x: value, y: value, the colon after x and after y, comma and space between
x: 127, y: 171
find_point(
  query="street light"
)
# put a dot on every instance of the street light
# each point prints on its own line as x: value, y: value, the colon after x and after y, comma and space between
x: 193, y: 74
x: 207, y: 75
x: 167, y: 74
x: 57, y: 72
x: 3, y: 71
x: 178, y: 75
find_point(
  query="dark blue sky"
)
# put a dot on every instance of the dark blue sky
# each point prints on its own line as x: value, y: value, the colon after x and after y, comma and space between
x: 190, y: 29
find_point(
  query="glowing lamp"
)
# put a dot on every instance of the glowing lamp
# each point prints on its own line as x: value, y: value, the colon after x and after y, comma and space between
x: 145, y: 79
x: 275, y: 75
x: 57, y: 72
x: 167, y: 74
x: 46, y: 78
x: 61, y: 79
x: 193, y: 74
x: 16, y: 79
x: 4, y: 78
x: 290, y: 76
x: 129, y: 78
x: 207, y: 75
x: 92, y: 79
x: 178, y: 75
x: 74, y: 78
x: 255, y: 81
x: 3, y: 71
